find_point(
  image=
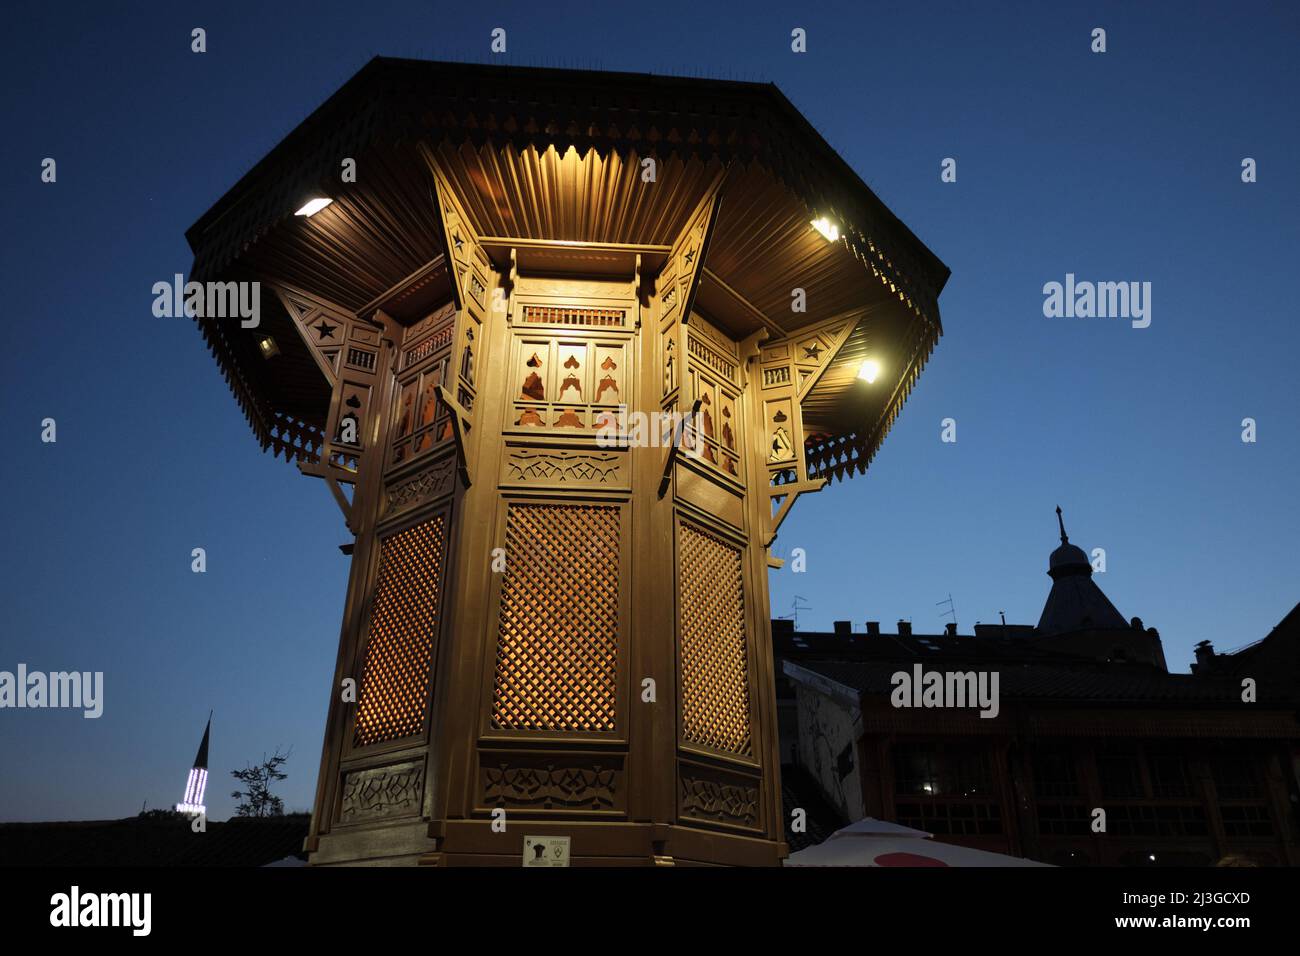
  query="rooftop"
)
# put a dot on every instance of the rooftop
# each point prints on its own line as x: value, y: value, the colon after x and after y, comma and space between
x: 547, y: 164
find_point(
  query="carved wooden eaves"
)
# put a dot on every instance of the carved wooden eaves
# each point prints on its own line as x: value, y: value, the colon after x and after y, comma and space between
x: 349, y: 351
x: 676, y: 287
x: 473, y: 282
x: 787, y: 371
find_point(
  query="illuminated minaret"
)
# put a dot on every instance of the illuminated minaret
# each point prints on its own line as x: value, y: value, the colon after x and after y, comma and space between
x: 198, y: 779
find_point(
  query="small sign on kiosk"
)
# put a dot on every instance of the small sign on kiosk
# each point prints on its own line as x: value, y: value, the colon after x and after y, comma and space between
x: 546, y: 851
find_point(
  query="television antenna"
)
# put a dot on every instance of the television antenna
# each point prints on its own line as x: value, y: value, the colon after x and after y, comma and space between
x: 952, y: 608
x: 795, y: 607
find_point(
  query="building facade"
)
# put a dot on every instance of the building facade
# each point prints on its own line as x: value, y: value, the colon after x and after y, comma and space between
x: 1096, y: 754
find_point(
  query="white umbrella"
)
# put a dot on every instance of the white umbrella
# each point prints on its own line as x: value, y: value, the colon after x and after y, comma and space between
x: 872, y: 842
x: 870, y: 826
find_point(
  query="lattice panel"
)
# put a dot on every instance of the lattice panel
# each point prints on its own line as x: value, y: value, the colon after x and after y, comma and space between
x: 573, y: 315
x: 403, y: 629
x: 557, y: 653
x: 714, y: 668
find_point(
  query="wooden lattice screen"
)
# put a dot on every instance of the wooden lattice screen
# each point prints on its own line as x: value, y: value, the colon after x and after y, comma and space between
x: 557, y: 651
x: 403, y: 630
x: 714, y: 669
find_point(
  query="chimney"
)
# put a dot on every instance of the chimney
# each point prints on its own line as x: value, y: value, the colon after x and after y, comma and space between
x: 1204, y: 654
x: 843, y: 628
x: 950, y: 629
x: 873, y: 628
x: 904, y: 628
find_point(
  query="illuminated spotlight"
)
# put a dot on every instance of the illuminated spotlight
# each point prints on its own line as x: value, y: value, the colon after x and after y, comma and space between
x: 313, y: 206
x: 869, y: 371
x: 826, y: 228
x: 268, y: 347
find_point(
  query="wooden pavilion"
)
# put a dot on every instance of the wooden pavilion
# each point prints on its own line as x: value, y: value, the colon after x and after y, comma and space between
x: 569, y: 630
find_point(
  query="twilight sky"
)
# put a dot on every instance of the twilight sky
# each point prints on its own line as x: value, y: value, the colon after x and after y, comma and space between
x: 1122, y: 166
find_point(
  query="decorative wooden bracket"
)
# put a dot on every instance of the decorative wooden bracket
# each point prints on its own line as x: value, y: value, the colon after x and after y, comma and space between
x: 636, y: 289
x: 678, y: 429
x: 333, y: 478
x: 789, y: 492
x: 513, y: 279
x: 459, y: 426
x: 750, y: 349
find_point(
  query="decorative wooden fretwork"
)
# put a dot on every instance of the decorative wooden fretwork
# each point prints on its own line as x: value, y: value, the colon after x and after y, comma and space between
x: 713, y: 652
x: 380, y: 793
x: 438, y: 340
x: 402, y: 632
x: 346, y: 349
x: 684, y: 356
x: 574, y: 315
x: 557, y: 650
x: 477, y: 289
x: 420, y: 421
x: 363, y: 359
x: 433, y: 482
x: 293, y: 438
x: 566, y: 383
x: 840, y: 456
x: 547, y: 785
x: 705, y: 355
x: 525, y: 466
x: 714, y: 435
x: 702, y: 796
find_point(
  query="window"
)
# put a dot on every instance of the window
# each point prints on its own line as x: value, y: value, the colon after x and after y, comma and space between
x: 1054, y: 774
x: 945, y: 789
x: 936, y: 770
x: 952, y: 818
x: 1170, y: 776
x: 1063, y: 819
x: 1164, y: 821
x: 1120, y: 776
x: 1246, y: 820
x: 1235, y: 778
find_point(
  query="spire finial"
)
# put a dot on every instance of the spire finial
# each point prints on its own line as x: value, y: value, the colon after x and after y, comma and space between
x: 1061, y: 521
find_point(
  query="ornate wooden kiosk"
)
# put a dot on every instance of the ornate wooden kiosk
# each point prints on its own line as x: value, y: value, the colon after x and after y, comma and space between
x: 538, y: 620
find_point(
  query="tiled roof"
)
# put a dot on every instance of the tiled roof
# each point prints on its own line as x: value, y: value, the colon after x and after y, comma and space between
x: 394, y: 99
x: 909, y: 647
x: 1076, y: 602
x: 1101, y: 683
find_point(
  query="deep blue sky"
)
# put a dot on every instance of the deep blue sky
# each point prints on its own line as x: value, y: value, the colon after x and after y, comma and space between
x: 1122, y: 166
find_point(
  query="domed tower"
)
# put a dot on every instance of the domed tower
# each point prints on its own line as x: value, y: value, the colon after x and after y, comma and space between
x: 1079, y: 618
x: 1075, y: 601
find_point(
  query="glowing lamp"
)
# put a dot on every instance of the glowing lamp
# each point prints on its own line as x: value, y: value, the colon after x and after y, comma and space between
x: 869, y: 371
x: 826, y: 228
x: 313, y: 206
